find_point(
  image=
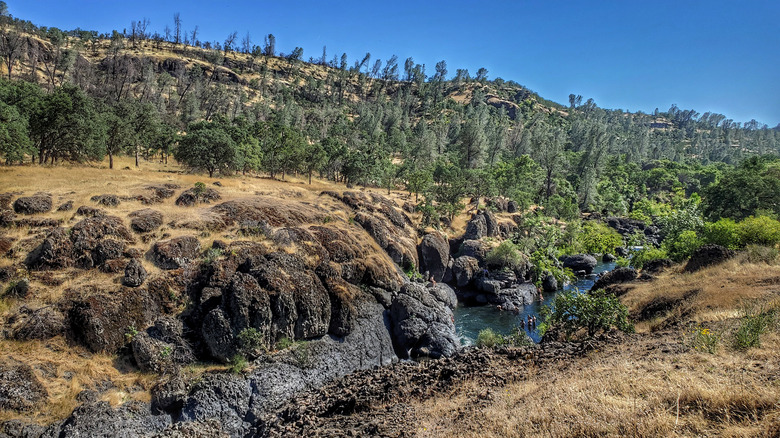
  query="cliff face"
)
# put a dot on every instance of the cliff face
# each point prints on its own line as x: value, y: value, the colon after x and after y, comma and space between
x: 289, y: 287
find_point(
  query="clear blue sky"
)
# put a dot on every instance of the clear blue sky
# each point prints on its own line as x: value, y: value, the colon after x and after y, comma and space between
x: 714, y: 55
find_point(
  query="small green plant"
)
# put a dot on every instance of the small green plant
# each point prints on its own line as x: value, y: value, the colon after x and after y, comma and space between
x: 284, y: 343
x: 622, y: 262
x: 753, y: 324
x: 130, y: 333
x: 413, y: 273
x: 505, y: 256
x: 166, y: 352
x: 211, y: 255
x: 489, y: 338
x: 646, y: 255
x: 595, y: 311
x: 705, y: 340
x: 327, y: 219
x: 250, y: 342
x: 199, y: 189
x: 302, y: 355
x: 238, y: 364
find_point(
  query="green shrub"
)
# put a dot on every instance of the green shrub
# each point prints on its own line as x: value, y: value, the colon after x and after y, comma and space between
x: 724, y: 232
x: 705, y: 340
x: 598, y: 238
x: 622, y: 262
x: 250, y: 342
x: 238, y: 364
x: 753, y: 324
x: 488, y: 338
x: 505, y: 255
x: 595, y: 311
x: 211, y: 254
x: 683, y: 246
x: 761, y: 230
x: 647, y: 254
x: 284, y: 343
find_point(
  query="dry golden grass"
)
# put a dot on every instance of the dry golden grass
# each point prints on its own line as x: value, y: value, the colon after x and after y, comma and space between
x: 66, y: 370
x: 633, y: 390
x: 712, y: 294
x: 654, y: 384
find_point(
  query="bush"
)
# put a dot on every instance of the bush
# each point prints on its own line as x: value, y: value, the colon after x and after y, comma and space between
x: 647, y: 254
x: 250, y: 342
x: 238, y: 364
x: 683, y: 246
x: 595, y: 311
x: 724, y: 232
x: 598, y: 238
x: 505, y: 255
x: 754, y: 323
x: 705, y: 340
x: 488, y: 338
x: 761, y: 230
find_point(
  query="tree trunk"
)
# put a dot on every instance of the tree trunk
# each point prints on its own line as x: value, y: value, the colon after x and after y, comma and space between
x: 110, y: 160
x: 136, y: 156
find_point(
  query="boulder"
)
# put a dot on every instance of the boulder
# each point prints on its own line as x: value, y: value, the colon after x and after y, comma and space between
x: 656, y: 266
x: 708, y: 255
x: 67, y: 206
x: 175, y: 253
x: 512, y: 207
x: 39, y: 203
x: 106, y: 200
x: 476, y: 249
x: 99, y: 319
x: 434, y: 255
x: 7, y: 218
x: 422, y: 325
x: 464, y: 269
x: 491, y: 224
x: 580, y: 262
x: 146, y: 220
x: 514, y: 297
x: 87, y: 237
x: 135, y: 274
x: 162, y: 347
x: 107, y: 249
x: 444, y: 294
x: 99, y: 420
x: 476, y: 228
x: 622, y: 251
x: 42, y: 323
x: 615, y: 276
x: 55, y: 252
x: 608, y: 258
x: 20, y: 389
x: 193, y: 196
x: 549, y: 282
x: 88, y: 211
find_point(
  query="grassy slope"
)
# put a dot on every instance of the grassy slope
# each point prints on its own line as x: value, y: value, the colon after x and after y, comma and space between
x: 652, y: 384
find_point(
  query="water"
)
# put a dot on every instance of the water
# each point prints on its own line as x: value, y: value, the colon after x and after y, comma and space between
x: 470, y: 320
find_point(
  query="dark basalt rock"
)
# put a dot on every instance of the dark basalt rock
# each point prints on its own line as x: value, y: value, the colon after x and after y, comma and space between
x: 146, y: 220
x: 20, y: 389
x: 549, y: 282
x: 708, y: 255
x: 615, y: 276
x: 422, y: 325
x: 39, y: 203
x: 106, y: 200
x: 88, y: 211
x: 193, y: 196
x: 135, y: 274
x: 476, y: 249
x: 580, y: 262
x: 434, y: 255
x: 175, y: 253
x: 464, y: 269
x: 67, y: 206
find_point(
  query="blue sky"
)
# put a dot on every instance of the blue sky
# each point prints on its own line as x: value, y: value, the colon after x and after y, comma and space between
x: 637, y: 55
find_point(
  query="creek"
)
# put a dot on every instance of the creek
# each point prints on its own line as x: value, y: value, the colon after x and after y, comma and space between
x: 469, y: 320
